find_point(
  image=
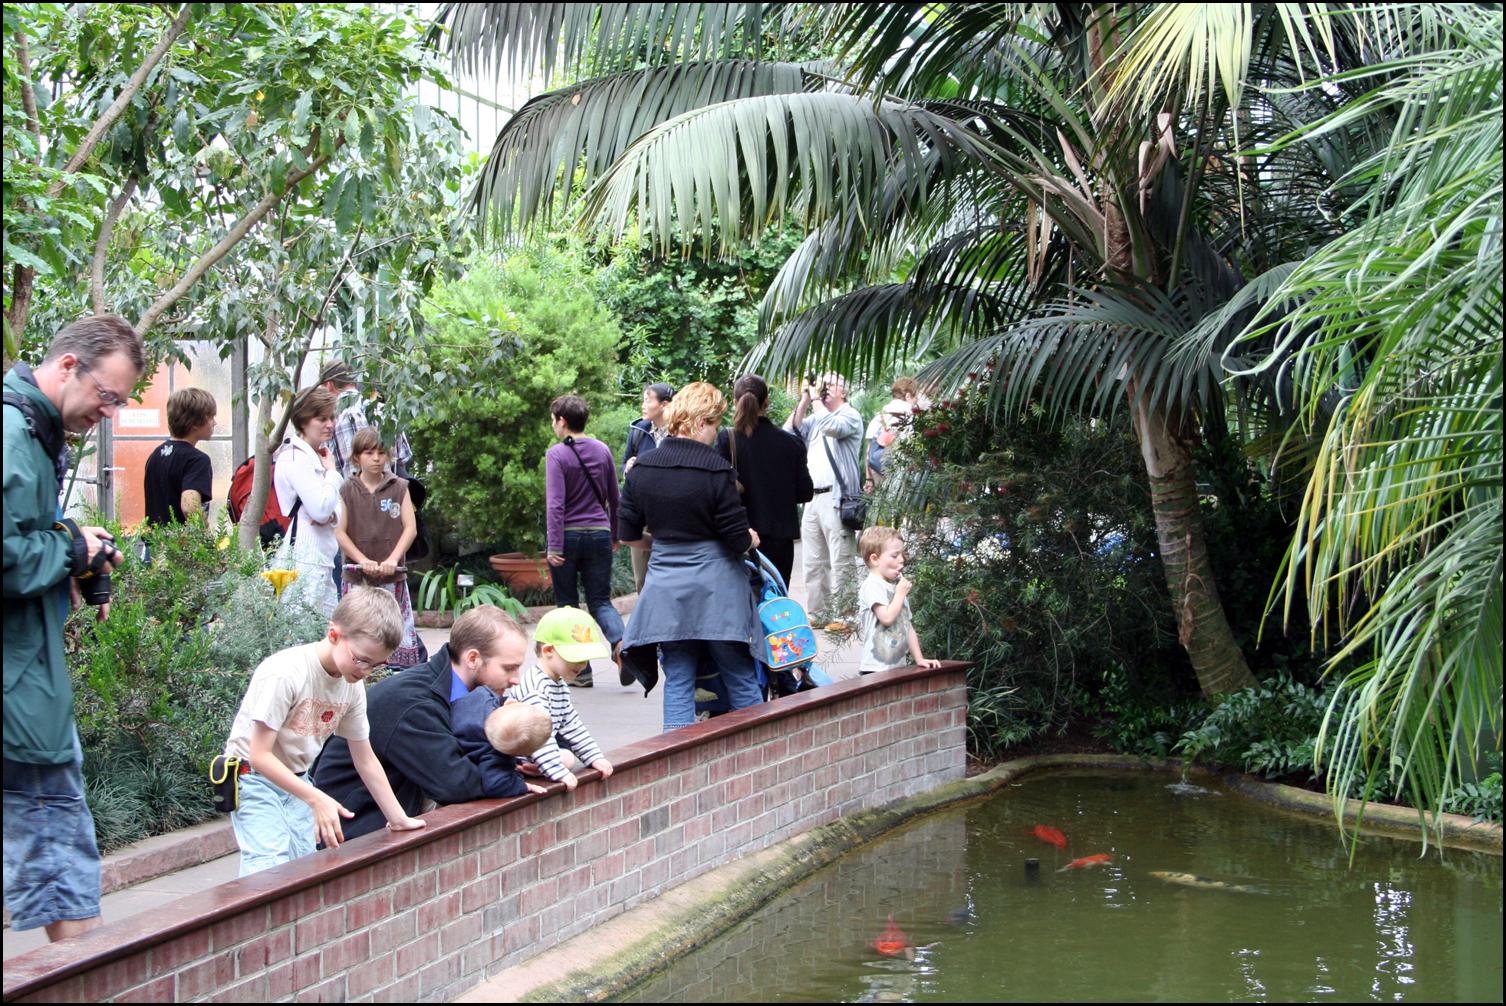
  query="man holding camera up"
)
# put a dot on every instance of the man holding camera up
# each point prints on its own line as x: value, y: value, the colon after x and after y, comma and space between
x: 833, y: 433
x: 51, y: 860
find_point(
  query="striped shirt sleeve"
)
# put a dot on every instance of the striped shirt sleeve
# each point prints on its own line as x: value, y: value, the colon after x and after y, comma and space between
x: 536, y: 688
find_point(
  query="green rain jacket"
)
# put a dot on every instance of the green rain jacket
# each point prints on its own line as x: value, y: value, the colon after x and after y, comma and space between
x: 38, y: 695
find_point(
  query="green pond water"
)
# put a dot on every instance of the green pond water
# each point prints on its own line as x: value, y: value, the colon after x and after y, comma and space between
x: 1392, y: 926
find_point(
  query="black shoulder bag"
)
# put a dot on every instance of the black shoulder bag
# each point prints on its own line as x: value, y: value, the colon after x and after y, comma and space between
x: 854, y: 505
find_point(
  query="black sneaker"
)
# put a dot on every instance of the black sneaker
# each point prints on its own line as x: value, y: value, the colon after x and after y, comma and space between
x: 583, y: 680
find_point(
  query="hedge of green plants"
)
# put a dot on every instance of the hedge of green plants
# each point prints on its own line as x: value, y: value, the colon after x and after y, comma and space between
x: 1033, y: 554
x: 157, y: 683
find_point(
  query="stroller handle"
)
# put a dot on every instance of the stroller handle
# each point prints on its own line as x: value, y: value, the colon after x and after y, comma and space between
x: 766, y: 567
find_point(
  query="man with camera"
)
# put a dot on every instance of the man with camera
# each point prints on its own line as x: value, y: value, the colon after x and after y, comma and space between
x: 51, y: 860
x: 833, y: 433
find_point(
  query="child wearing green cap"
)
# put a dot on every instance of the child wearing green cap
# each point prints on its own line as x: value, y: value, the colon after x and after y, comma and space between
x: 565, y: 643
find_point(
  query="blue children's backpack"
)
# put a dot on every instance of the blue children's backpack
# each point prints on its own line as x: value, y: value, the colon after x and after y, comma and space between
x: 789, y: 642
x: 787, y: 646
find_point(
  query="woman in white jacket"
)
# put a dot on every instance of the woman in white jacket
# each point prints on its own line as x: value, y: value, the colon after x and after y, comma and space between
x: 306, y: 477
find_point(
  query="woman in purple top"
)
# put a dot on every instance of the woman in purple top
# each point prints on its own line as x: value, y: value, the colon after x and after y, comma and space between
x: 580, y: 485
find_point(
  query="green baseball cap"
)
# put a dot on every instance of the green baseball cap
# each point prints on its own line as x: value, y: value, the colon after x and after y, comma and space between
x: 573, y: 634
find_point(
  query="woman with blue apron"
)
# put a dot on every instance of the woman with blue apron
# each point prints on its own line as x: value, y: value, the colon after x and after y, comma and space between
x: 696, y: 606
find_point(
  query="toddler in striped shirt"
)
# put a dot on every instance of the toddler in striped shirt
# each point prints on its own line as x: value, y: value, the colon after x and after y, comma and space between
x: 565, y: 643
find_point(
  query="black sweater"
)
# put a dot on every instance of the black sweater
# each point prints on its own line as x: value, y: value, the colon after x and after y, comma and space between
x: 409, y: 715
x: 771, y: 466
x: 683, y: 490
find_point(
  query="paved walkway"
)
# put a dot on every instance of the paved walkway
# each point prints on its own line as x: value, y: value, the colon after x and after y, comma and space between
x: 617, y: 716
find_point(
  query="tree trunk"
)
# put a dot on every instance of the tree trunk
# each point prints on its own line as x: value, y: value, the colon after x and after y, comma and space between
x: 1202, y: 627
x: 261, y: 480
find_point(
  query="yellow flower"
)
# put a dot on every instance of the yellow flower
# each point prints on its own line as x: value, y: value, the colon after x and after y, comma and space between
x: 223, y: 543
x: 279, y: 578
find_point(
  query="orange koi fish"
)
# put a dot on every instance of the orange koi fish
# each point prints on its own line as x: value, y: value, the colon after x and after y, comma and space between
x: 892, y: 942
x: 1050, y: 835
x: 1097, y: 859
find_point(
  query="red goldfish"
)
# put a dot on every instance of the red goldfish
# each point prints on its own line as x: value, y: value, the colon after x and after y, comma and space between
x: 1095, y: 860
x: 892, y: 942
x: 1050, y: 835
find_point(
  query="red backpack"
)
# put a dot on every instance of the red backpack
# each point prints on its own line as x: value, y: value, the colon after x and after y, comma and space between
x: 273, y: 521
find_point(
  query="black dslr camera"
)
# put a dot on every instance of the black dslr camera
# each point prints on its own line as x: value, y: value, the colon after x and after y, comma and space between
x: 93, y: 581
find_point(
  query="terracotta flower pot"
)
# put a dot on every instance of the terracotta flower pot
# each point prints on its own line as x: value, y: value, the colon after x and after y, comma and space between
x: 521, y: 572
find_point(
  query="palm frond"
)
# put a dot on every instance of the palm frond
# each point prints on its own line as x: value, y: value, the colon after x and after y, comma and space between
x: 1202, y: 357
x: 868, y: 332
x: 523, y: 39
x: 1192, y: 49
x: 1393, y: 347
x: 1090, y: 355
x: 940, y: 49
x: 726, y: 170
x: 845, y: 249
x: 585, y: 127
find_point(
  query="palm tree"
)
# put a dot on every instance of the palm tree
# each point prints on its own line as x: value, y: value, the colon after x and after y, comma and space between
x: 1392, y: 333
x: 1090, y: 195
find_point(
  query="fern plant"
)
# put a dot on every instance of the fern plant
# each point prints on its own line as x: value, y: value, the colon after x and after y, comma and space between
x: 440, y: 590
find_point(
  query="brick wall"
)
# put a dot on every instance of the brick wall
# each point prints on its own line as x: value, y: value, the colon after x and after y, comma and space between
x: 429, y: 914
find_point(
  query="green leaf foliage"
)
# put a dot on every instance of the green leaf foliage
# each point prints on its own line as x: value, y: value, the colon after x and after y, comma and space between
x: 688, y: 319
x: 156, y: 685
x: 1033, y: 553
x: 526, y: 329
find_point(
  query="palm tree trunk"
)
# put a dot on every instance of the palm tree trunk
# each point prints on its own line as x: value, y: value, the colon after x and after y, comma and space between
x: 1202, y: 627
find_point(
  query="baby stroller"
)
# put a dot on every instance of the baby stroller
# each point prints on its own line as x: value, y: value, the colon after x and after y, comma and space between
x: 788, y: 644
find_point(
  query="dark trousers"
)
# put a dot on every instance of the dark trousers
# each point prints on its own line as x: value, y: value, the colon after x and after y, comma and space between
x: 588, y: 564
x: 781, y: 552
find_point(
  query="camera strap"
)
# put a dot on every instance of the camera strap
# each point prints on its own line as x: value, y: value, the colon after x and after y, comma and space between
x: 42, y: 427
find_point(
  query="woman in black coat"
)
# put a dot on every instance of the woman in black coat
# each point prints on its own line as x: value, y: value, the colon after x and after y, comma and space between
x: 696, y: 609
x: 771, y: 466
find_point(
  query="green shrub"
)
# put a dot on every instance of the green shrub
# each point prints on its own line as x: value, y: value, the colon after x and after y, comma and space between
x: 685, y: 317
x: 157, y: 684
x: 526, y: 329
x: 1270, y: 731
x: 1480, y: 799
x: 1142, y: 717
x: 1033, y: 553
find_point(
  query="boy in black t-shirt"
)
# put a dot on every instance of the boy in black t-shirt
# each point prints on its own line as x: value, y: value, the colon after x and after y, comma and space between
x: 179, y: 479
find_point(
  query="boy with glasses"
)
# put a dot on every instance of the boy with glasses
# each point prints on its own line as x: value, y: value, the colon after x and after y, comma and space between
x: 298, y: 698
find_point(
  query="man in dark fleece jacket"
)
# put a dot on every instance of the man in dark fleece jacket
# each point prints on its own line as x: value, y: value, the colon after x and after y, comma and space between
x: 411, y: 732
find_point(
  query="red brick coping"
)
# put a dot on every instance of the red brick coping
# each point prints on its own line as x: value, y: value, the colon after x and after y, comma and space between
x: 430, y: 914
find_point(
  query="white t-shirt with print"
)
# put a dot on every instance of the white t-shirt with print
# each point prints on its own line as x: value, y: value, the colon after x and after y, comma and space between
x: 292, y: 693
x: 884, y: 646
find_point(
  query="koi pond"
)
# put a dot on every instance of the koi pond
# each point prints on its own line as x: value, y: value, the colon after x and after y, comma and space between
x: 1190, y: 894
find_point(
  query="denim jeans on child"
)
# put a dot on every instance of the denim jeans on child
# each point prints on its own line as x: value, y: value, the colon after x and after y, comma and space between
x: 272, y: 827
x: 51, y: 859
x: 588, y: 557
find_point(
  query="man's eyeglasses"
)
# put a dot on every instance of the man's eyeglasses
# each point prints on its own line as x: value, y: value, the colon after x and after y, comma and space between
x: 107, y: 397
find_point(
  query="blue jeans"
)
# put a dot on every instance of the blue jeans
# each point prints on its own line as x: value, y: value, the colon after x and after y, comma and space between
x: 272, y: 826
x: 51, y: 859
x: 588, y: 558
x: 682, y: 659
